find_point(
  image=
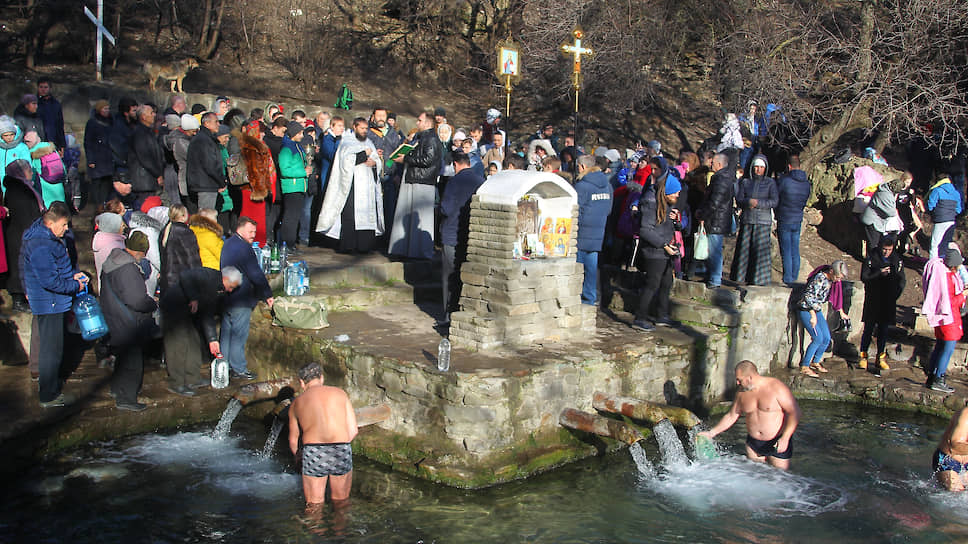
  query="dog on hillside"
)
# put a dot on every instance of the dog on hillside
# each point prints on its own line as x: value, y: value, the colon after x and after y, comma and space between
x: 174, y: 72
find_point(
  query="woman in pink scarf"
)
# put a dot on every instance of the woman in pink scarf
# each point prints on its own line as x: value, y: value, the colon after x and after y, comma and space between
x: 943, y: 297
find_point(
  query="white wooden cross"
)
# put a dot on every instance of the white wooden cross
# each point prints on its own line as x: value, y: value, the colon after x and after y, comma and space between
x: 101, y: 33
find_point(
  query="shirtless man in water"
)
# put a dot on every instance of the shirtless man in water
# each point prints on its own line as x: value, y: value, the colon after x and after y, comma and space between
x: 950, y: 460
x: 772, y: 414
x: 323, y: 418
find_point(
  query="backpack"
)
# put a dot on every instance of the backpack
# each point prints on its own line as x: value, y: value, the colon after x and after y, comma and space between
x: 51, y: 168
x: 238, y: 173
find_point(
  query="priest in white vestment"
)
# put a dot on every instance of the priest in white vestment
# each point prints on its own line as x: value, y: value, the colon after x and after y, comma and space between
x: 352, y: 210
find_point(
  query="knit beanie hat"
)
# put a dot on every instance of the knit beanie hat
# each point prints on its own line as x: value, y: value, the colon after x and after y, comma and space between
x: 189, y: 122
x: 109, y: 222
x: 173, y: 121
x: 7, y: 124
x: 953, y: 258
x: 137, y: 241
x: 672, y: 185
x: 150, y: 202
x: 28, y: 98
x: 293, y: 128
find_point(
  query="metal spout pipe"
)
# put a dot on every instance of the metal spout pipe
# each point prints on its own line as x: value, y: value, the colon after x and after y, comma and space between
x: 600, y: 425
x: 644, y: 410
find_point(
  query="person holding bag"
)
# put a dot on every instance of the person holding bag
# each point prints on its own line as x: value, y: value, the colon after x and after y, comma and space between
x: 657, y: 234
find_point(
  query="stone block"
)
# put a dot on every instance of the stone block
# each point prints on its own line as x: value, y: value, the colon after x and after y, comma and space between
x: 485, y: 252
x: 506, y: 310
x: 510, y: 208
x: 471, y: 290
x: 471, y: 305
x: 521, y: 296
x: 493, y: 262
x: 547, y: 306
x: 570, y: 321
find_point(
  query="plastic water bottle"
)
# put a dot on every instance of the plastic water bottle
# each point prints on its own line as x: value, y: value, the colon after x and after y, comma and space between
x: 257, y: 251
x: 220, y: 372
x: 274, y: 261
x: 303, y: 278
x: 443, y: 355
x: 89, y: 316
x: 290, y: 280
x: 266, y: 257
x: 283, y: 257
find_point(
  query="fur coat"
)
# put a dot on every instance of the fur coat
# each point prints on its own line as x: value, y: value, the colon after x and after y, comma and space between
x: 259, y: 166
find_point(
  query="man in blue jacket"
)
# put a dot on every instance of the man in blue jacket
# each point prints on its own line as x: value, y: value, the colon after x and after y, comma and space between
x: 455, y: 207
x: 794, y: 190
x: 594, y: 205
x: 237, y: 252
x: 944, y: 203
x: 51, y: 281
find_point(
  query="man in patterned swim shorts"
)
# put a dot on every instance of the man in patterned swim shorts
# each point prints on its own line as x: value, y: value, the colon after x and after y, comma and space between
x: 950, y: 460
x: 322, y: 418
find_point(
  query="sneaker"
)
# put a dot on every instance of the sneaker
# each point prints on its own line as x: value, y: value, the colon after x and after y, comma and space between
x: 862, y: 363
x: 247, y: 375
x: 131, y: 406
x: 939, y: 385
x: 642, y: 325
x: 882, y: 362
x: 181, y: 390
x: 60, y: 400
x: 198, y: 385
x: 666, y: 322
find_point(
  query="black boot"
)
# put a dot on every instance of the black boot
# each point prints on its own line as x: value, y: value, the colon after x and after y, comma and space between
x: 930, y: 381
x: 939, y: 385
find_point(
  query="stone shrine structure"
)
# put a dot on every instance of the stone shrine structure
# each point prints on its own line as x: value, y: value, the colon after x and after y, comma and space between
x: 521, y: 282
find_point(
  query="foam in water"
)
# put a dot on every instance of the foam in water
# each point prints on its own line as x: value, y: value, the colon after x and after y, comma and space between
x: 670, y: 447
x: 228, y: 416
x: 735, y: 483
x: 277, y: 425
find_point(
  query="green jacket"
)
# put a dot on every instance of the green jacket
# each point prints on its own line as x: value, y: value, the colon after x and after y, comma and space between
x: 292, y: 167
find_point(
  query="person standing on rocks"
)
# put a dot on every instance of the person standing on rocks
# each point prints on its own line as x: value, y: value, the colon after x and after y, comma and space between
x: 657, y: 234
x: 51, y: 281
x: 455, y: 208
x: 883, y: 277
x: 943, y: 296
x: 51, y: 114
x: 195, y: 297
x: 127, y: 311
x: 412, y: 233
x: 716, y: 215
x: 811, y: 312
x: 772, y: 416
x: 794, y: 191
x: 321, y: 419
x: 757, y: 196
x: 594, y: 205
x: 237, y: 252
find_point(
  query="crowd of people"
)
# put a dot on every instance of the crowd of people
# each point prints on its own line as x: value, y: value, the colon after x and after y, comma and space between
x: 182, y: 194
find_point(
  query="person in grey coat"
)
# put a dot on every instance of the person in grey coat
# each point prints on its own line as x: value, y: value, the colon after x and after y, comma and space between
x: 756, y: 197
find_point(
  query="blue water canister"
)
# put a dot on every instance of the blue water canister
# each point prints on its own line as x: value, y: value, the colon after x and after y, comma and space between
x: 89, y: 316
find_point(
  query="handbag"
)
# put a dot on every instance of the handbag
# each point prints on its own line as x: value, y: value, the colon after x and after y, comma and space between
x: 700, y: 244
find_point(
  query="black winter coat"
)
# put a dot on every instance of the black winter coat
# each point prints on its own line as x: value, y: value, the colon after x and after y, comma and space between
x: 29, y: 121
x: 203, y: 285
x: 206, y: 173
x: 423, y: 163
x: 881, y: 291
x: 146, y: 159
x: 717, y: 209
x: 179, y: 251
x: 97, y: 146
x: 654, y: 235
x: 126, y: 305
x: 25, y: 207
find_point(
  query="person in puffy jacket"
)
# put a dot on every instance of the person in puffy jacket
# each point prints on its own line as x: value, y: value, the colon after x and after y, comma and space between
x: 594, y: 205
x: 756, y: 197
x: 794, y: 190
x: 51, y: 280
x: 944, y: 203
x: 658, y: 249
x: 716, y: 215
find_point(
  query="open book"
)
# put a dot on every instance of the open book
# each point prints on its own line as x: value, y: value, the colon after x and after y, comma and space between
x: 400, y: 151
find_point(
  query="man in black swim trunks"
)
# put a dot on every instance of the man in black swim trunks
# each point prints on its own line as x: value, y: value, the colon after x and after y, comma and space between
x: 950, y: 460
x: 771, y: 412
x: 322, y: 419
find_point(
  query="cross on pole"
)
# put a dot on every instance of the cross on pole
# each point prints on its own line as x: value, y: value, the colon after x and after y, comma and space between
x: 577, y: 50
x: 101, y: 33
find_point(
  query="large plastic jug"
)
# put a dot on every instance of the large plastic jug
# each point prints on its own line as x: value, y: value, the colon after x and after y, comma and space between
x: 220, y: 373
x: 89, y: 316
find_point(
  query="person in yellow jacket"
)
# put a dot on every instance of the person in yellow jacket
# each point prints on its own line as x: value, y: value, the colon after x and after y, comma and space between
x: 209, y: 234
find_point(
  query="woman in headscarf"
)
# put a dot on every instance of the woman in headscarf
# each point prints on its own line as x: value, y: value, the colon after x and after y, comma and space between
x: 23, y: 207
x: 757, y: 196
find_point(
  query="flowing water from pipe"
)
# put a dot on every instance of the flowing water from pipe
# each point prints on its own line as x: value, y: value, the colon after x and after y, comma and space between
x: 228, y: 416
x: 277, y: 425
x: 646, y: 470
x: 673, y: 454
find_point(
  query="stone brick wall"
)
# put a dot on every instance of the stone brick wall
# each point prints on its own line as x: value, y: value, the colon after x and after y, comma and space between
x: 514, y: 301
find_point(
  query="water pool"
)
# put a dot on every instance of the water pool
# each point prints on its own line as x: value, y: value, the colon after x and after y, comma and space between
x: 859, y: 475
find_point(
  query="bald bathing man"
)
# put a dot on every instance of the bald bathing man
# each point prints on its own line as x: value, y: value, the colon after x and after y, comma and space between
x: 950, y: 460
x: 771, y: 412
x: 323, y: 418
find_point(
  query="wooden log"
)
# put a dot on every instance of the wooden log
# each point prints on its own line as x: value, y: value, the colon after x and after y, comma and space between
x: 252, y: 392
